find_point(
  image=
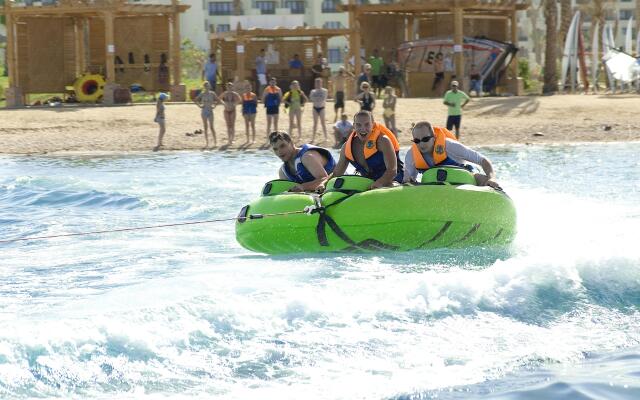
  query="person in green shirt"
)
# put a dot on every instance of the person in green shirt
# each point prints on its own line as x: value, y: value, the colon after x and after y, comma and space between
x: 456, y: 100
x: 377, y: 69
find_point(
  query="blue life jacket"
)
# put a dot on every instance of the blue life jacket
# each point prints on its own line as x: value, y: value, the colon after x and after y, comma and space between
x: 273, y: 98
x: 302, y: 174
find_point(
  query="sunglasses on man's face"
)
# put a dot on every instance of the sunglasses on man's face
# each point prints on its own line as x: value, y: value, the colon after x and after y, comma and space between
x: 424, y: 139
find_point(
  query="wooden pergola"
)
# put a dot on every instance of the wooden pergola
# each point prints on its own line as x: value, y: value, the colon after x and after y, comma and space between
x: 247, y: 42
x: 79, y: 22
x: 407, y: 19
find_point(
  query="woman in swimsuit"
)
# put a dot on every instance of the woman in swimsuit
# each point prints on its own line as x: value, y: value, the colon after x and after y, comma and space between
x: 230, y: 99
x: 318, y: 97
x: 294, y: 100
x: 366, y: 100
x: 389, y: 109
x: 249, y: 110
x: 207, y: 100
x: 159, y: 119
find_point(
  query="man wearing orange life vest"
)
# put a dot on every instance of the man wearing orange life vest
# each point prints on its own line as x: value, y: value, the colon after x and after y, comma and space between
x: 373, y: 150
x: 436, y: 146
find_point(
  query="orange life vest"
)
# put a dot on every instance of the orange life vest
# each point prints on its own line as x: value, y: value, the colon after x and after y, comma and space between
x: 439, y: 148
x: 272, y: 89
x: 371, y: 141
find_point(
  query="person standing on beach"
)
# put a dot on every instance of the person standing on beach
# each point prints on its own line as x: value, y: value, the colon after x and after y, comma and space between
x: 366, y: 100
x: 438, y: 75
x: 476, y: 81
x: 318, y: 97
x: 377, y: 66
x: 456, y: 100
x: 272, y: 97
x: 341, y: 131
x: 206, y: 100
x: 210, y: 72
x: 294, y: 100
x: 249, y: 110
x: 261, y: 71
x: 159, y: 119
x: 339, y: 85
x: 365, y: 76
x: 389, y: 109
x: 230, y: 99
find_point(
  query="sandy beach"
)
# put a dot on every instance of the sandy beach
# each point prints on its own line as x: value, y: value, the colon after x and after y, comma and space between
x: 486, y: 121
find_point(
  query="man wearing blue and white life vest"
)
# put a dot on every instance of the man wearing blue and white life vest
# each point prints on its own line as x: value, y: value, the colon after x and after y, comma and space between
x: 308, y: 165
x: 271, y: 98
x: 373, y: 150
x: 436, y: 146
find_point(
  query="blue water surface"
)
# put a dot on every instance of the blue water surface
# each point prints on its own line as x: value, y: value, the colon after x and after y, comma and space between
x: 186, y: 312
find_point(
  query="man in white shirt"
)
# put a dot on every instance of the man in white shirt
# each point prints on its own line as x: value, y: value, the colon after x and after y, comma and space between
x: 436, y: 146
x: 341, y: 130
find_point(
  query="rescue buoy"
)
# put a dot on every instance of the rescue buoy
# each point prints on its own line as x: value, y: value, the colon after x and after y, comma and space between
x: 89, y: 88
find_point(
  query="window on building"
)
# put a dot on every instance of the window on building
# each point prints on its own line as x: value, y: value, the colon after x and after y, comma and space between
x: 221, y: 8
x: 266, y: 7
x: 387, y: 1
x: 361, y: 2
x: 332, y: 25
x: 626, y: 14
x: 295, y: 6
x: 330, y: 6
x: 223, y: 28
x: 335, y: 56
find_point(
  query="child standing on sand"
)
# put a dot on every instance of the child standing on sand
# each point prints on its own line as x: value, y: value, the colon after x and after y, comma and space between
x: 389, y: 109
x: 206, y: 100
x: 249, y: 110
x: 159, y: 119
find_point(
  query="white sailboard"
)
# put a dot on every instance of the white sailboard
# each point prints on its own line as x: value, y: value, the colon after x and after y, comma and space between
x: 569, y: 56
x: 628, y: 39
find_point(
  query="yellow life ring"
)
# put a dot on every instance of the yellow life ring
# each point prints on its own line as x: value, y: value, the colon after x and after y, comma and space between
x: 89, y: 88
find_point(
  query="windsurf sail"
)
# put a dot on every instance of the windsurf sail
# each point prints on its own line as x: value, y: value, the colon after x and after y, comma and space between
x: 621, y: 65
x: 490, y: 57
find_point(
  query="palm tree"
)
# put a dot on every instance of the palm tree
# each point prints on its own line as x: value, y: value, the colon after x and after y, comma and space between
x: 565, y: 21
x: 551, y: 48
x: 237, y: 7
x: 536, y: 33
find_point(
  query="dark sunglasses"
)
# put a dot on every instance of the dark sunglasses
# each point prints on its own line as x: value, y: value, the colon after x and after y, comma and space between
x: 424, y: 139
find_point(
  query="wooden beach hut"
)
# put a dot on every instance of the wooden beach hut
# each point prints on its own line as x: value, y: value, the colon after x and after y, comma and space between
x: 50, y: 44
x: 408, y: 20
x: 238, y: 49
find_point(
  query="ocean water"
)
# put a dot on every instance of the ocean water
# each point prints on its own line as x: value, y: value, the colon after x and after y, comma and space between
x: 186, y: 312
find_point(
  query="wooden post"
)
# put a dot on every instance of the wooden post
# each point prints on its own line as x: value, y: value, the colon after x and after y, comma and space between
x: 241, y: 55
x: 11, y: 46
x: 80, y: 50
x: 458, y: 55
x: 175, y: 44
x: 409, y: 28
x: 324, y: 45
x: 110, y: 50
x: 240, y: 58
x: 356, y: 48
x: 514, y: 41
x: 316, y: 44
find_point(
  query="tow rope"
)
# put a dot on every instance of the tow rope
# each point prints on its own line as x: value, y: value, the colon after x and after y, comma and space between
x: 140, y: 228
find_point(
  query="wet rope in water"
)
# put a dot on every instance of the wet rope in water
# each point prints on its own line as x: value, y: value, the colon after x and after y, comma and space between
x: 139, y: 228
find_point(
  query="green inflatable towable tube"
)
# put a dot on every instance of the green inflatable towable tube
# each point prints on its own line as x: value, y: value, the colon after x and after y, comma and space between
x: 446, y: 209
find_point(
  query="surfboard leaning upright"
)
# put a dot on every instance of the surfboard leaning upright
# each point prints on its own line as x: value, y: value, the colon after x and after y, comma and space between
x: 570, y: 50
